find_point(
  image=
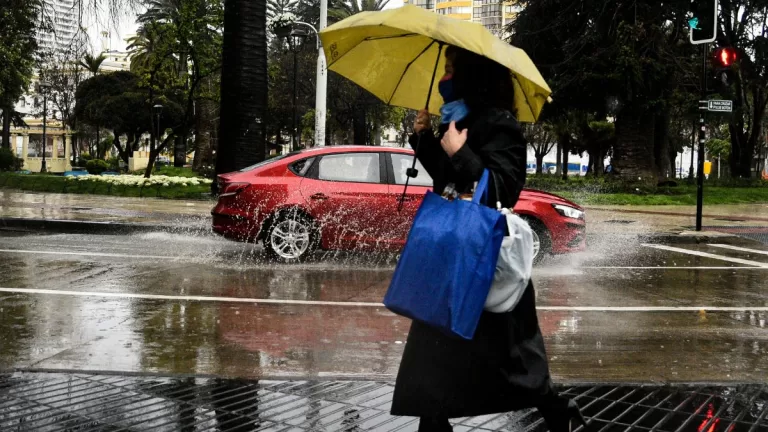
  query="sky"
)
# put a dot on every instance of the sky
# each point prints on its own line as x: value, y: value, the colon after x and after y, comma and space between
x: 127, y: 27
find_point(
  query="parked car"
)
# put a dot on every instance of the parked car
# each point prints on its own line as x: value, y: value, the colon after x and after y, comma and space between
x: 163, y: 161
x: 343, y: 198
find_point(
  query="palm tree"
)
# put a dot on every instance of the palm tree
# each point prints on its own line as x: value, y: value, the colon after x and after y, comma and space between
x: 92, y: 63
x: 347, y: 8
x: 277, y: 7
x: 242, y: 140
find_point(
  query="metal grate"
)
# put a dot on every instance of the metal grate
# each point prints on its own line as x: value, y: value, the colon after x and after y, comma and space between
x: 82, y: 402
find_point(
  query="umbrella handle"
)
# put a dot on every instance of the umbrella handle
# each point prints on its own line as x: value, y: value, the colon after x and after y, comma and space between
x: 412, y: 172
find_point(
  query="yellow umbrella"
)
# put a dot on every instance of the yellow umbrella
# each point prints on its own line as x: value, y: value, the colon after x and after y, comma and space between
x: 396, y: 54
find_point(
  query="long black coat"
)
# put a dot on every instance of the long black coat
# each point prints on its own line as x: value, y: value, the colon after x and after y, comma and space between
x: 504, y: 368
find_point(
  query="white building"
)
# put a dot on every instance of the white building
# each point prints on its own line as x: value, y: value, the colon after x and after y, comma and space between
x: 493, y: 14
x: 63, y: 17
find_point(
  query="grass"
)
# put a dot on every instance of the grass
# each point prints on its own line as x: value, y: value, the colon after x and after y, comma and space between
x: 170, y: 171
x: 591, y: 191
x: 59, y: 184
x: 683, y: 196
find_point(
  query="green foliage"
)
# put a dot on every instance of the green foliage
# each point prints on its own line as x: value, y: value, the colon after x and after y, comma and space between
x: 59, y: 184
x: 719, y: 148
x: 19, y: 22
x: 96, y: 166
x: 9, y: 161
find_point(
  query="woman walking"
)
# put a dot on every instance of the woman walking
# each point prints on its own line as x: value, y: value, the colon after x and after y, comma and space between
x: 504, y: 368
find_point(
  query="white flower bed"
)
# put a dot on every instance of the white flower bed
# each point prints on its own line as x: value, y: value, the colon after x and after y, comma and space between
x: 137, y: 180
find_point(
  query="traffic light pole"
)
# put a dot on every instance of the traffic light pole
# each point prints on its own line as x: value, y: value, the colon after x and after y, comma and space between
x: 702, y: 141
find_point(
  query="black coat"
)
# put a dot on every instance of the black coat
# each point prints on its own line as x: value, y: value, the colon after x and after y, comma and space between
x: 504, y: 368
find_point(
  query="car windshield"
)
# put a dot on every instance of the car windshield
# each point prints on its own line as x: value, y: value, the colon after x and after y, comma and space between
x: 269, y: 161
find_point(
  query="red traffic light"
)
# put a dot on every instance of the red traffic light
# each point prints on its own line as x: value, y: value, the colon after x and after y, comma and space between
x: 725, y: 57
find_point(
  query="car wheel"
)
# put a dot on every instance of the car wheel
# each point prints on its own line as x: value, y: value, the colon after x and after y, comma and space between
x: 292, y: 237
x: 542, y: 240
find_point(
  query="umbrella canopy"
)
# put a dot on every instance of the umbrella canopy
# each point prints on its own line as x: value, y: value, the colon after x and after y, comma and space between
x: 397, y: 55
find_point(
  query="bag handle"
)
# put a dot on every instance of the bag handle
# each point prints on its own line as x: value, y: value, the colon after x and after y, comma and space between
x: 481, y: 191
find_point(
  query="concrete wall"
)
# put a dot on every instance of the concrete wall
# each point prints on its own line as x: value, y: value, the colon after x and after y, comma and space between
x: 139, y: 161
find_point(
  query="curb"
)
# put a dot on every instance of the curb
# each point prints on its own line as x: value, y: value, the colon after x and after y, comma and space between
x: 94, y: 227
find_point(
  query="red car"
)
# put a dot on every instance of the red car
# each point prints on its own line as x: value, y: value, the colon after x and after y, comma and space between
x: 343, y: 198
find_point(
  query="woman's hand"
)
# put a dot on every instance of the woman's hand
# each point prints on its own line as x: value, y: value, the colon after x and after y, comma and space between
x: 453, y: 140
x: 423, y: 122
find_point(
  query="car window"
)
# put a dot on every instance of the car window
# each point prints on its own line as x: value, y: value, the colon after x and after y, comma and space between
x: 357, y: 167
x: 401, y: 163
x: 269, y: 161
x: 301, y: 167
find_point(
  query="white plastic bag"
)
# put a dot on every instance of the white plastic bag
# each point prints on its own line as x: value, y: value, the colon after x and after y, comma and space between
x: 514, y: 268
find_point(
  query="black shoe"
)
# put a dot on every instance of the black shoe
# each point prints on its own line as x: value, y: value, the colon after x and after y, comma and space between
x: 563, y: 415
x: 574, y: 414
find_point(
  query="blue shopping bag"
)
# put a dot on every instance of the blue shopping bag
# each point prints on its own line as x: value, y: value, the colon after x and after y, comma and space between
x: 448, y: 263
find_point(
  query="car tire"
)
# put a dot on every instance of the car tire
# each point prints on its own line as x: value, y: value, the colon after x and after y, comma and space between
x: 541, y: 236
x: 291, y: 237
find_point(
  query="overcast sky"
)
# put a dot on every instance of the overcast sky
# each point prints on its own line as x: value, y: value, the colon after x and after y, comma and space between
x: 127, y: 27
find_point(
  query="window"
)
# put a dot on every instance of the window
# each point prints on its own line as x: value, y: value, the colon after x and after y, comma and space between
x: 401, y: 163
x: 268, y: 161
x: 301, y: 167
x: 352, y: 167
x: 455, y: 10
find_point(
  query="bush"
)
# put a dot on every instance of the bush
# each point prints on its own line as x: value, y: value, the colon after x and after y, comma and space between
x: 96, y: 166
x: 9, y: 161
x: 114, y: 164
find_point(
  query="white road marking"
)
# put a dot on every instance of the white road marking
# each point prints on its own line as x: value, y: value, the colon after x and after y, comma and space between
x: 374, y: 305
x: 666, y: 268
x: 707, y: 255
x: 740, y: 249
x: 88, y: 253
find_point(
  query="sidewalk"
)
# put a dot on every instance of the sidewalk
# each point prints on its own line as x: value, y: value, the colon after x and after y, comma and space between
x: 20, y: 209
x: 81, y: 401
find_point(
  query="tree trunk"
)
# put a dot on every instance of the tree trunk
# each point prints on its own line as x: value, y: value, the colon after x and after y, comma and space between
x: 203, y: 126
x: 633, y: 156
x: 7, y: 128
x: 661, y: 143
x: 359, y: 127
x: 242, y: 129
x: 539, y: 163
x: 566, y: 155
x: 559, y: 159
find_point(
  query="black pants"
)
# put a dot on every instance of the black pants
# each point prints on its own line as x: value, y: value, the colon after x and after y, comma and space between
x: 435, y: 425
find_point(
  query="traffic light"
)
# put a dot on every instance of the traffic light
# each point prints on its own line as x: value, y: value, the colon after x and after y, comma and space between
x: 703, y: 21
x: 723, y: 60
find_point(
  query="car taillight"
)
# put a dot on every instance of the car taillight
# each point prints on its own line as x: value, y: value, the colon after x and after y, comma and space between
x: 231, y: 189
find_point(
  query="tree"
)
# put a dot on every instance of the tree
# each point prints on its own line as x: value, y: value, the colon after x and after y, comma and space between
x: 743, y: 25
x: 19, y: 20
x: 178, y: 48
x: 242, y: 137
x: 628, y: 57
x: 63, y: 70
x: 347, y: 8
x: 92, y: 63
x: 542, y: 140
x: 117, y: 102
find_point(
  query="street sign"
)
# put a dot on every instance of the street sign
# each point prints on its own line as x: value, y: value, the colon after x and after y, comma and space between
x: 716, y: 105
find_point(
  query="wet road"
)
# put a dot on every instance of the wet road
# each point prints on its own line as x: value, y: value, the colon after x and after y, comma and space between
x: 623, y: 312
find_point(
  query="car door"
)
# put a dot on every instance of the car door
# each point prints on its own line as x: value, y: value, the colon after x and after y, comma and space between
x: 344, y: 192
x: 401, y: 221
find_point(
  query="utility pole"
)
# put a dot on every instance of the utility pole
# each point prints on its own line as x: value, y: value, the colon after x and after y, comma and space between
x: 322, y: 82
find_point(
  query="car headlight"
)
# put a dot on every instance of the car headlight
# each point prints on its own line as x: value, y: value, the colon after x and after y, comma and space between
x: 568, y: 211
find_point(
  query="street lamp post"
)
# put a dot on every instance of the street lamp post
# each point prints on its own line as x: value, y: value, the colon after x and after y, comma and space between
x: 298, y: 31
x: 43, y: 87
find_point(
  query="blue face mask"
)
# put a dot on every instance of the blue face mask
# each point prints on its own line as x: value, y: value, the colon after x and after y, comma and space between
x: 446, y: 89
